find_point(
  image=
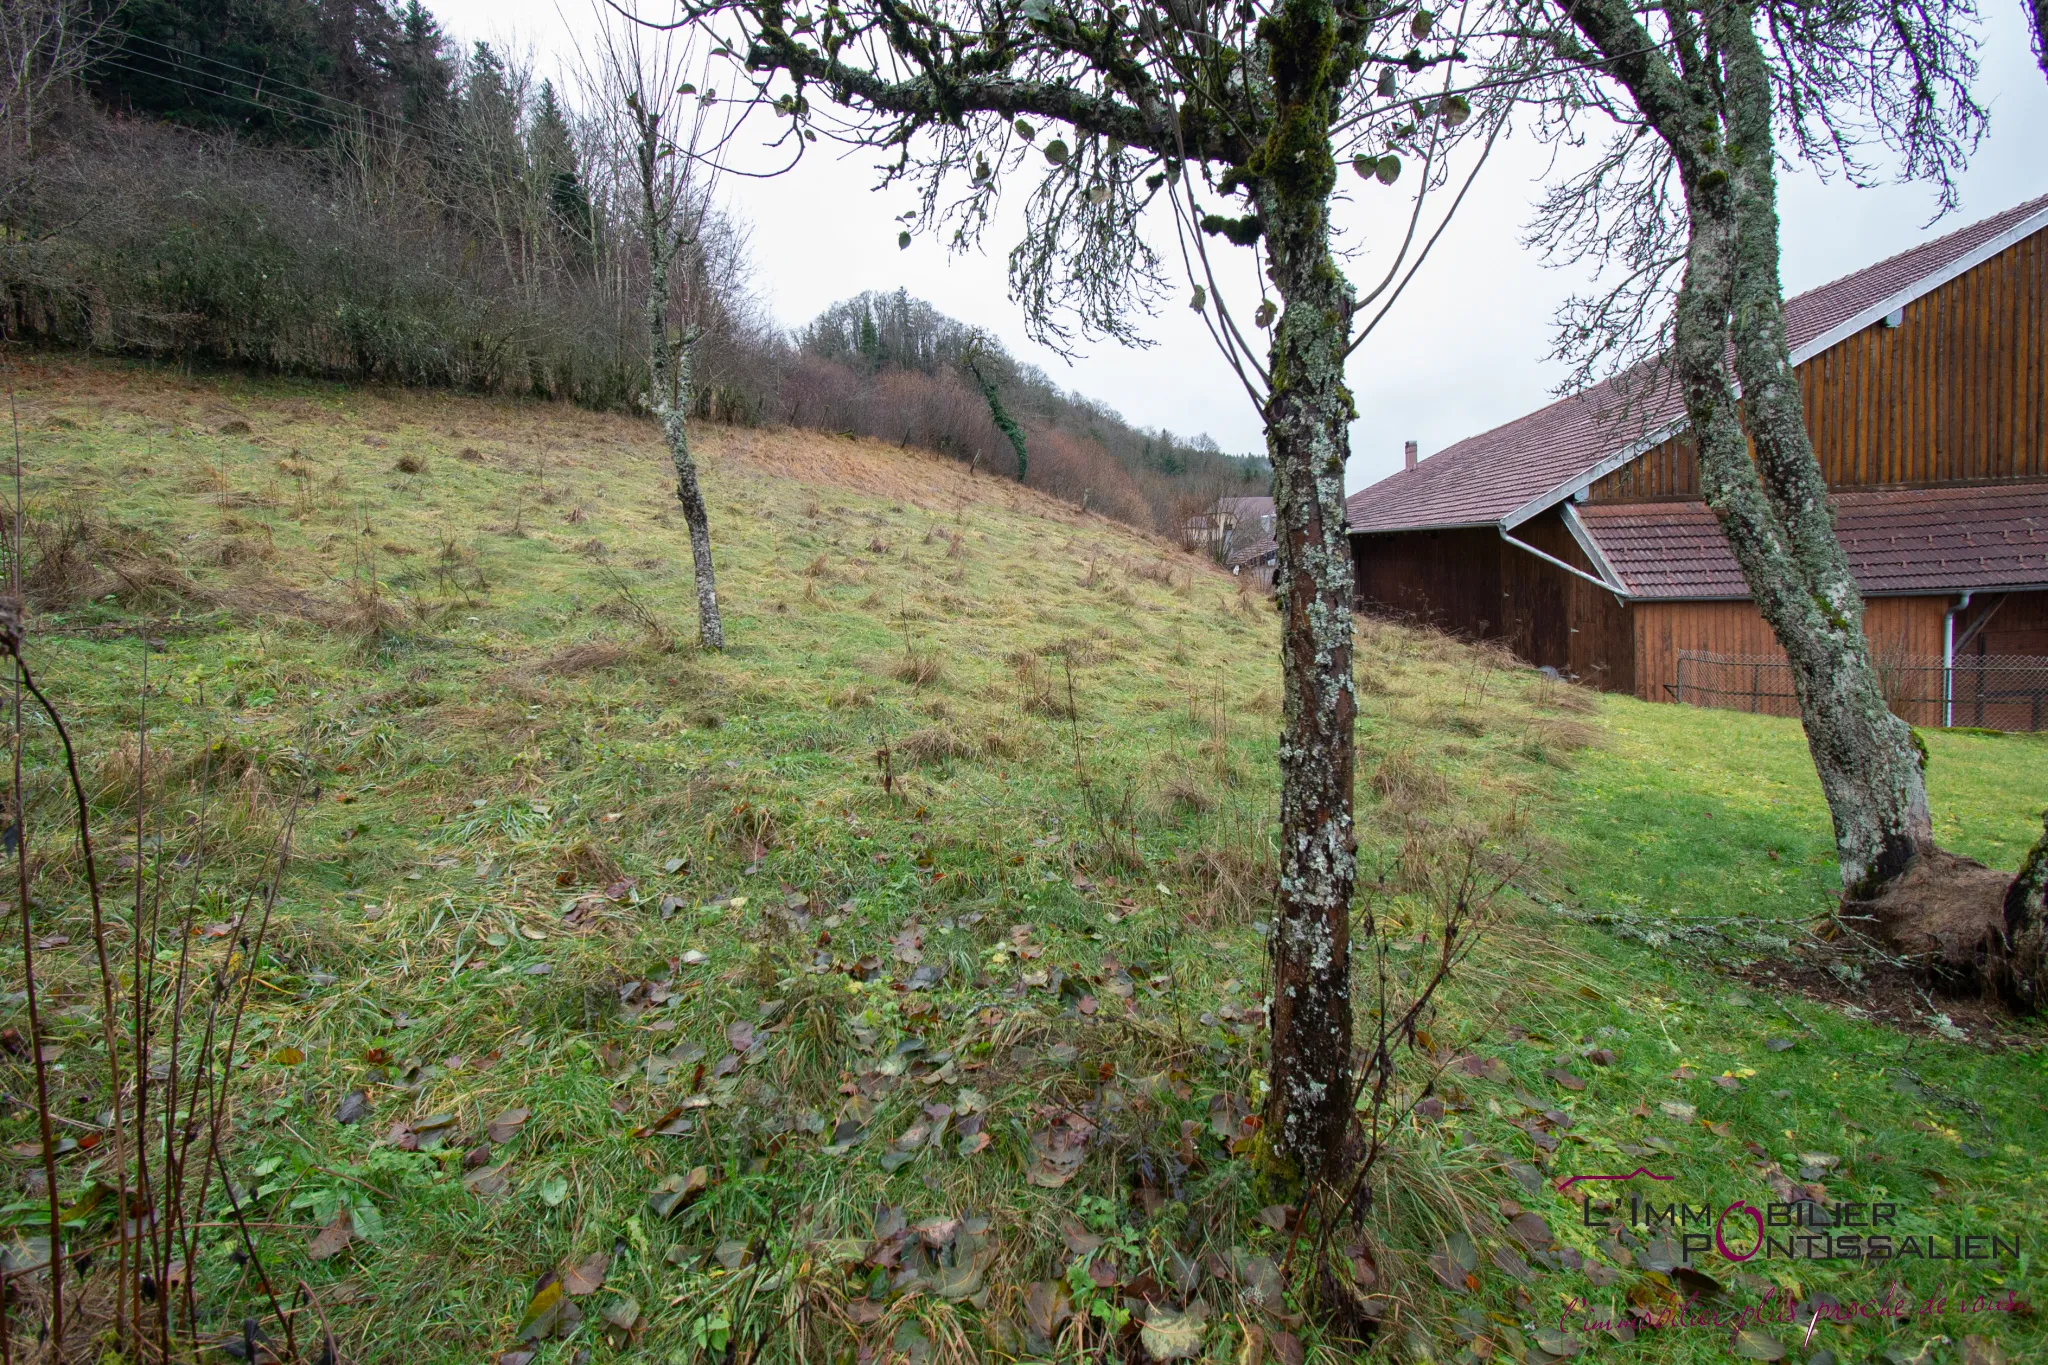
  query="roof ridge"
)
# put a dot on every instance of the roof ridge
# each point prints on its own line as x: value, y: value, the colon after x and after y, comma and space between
x: 1518, y: 467
x: 2018, y: 213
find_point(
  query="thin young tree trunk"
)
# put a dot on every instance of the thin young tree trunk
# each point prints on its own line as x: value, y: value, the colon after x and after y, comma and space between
x: 1308, y: 437
x: 669, y: 376
x: 674, y: 426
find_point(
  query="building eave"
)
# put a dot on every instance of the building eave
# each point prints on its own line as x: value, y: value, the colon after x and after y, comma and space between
x: 1593, y: 552
x: 1834, y: 336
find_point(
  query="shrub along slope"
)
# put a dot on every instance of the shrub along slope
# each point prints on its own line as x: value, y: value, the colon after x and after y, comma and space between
x: 890, y: 983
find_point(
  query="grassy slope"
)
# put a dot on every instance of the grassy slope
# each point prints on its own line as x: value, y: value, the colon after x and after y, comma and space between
x: 465, y: 677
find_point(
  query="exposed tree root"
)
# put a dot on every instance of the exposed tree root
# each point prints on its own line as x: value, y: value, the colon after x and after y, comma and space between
x: 1968, y: 926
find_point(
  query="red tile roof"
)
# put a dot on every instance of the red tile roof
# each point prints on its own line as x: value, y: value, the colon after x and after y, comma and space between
x: 1486, y: 479
x: 1899, y: 541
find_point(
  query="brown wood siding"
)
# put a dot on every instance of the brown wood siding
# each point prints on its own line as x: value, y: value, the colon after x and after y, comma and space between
x: 1957, y: 393
x: 1446, y: 579
x: 1665, y: 470
x: 1599, y: 642
x: 2018, y: 624
x: 1898, y: 628
x: 1475, y: 585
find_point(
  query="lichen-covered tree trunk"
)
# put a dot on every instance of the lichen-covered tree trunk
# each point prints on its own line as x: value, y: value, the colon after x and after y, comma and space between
x: 1776, y: 513
x: 675, y: 429
x: 1000, y: 415
x: 1308, y: 420
x: 668, y: 363
x: 1710, y: 101
x: 2026, y: 929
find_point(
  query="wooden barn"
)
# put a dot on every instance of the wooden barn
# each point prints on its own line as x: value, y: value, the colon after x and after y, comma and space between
x: 1577, y: 536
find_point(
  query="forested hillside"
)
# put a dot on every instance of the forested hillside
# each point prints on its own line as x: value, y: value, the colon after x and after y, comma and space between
x: 332, y: 188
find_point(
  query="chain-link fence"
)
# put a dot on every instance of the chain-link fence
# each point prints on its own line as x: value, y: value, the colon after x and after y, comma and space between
x: 1992, y: 691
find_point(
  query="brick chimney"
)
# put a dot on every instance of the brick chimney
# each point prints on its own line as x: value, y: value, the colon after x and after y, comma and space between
x: 1408, y: 454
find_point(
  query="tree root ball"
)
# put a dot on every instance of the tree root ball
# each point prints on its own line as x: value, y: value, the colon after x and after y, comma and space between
x: 1968, y: 926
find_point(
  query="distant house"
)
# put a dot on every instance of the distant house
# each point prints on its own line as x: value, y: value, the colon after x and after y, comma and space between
x: 1228, y: 522
x: 1577, y: 536
x: 1254, y: 556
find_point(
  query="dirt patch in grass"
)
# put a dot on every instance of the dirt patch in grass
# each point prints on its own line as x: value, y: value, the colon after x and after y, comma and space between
x: 1867, y: 987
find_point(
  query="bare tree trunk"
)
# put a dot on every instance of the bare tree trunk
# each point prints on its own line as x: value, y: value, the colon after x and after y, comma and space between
x: 1773, y: 509
x: 1870, y: 766
x: 2037, y: 12
x: 675, y: 427
x: 669, y: 370
x: 2026, y: 929
x: 1308, y: 436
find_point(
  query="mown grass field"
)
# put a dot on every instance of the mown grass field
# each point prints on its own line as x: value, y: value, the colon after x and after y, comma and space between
x: 908, y: 953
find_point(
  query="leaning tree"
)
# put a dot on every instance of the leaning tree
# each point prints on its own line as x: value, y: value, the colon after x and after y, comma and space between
x: 1230, y: 119
x: 1711, y: 96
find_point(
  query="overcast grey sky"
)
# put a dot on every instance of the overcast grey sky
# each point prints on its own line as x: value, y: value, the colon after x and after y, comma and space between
x: 1462, y: 351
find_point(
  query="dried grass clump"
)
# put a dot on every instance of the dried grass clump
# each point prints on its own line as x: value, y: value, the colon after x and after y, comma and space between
x: 851, y: 698
x: 1556, y: 695
x: 999, y: 744
x: 234, y: 550
x: 1437, y: 647
x: 412, y: 463
x: 1076, y: 650
x: 1555, y: 740
x: 920, y: 666
x: 59, y: 546
x: 1182, y: 797
x: 1233, y: 878
x: 470, y: 455
x: 588, y: 865
x: 153, y: 583
x: 752, y: 826
x: 931, y: 747
x: 219, y: 764
x: 1151, y: 571
x: 587, y: 657
x: 372, y: 617
x: 1407, y: 786
x: 118, y: 776
x: 1037, y: 691
x: 234, y: 426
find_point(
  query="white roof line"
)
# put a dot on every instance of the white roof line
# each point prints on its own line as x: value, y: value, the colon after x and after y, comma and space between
x: 1927, y: 284
x: 1592, y: 550
x: 1542, y: 502
x: 1834, y: 336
